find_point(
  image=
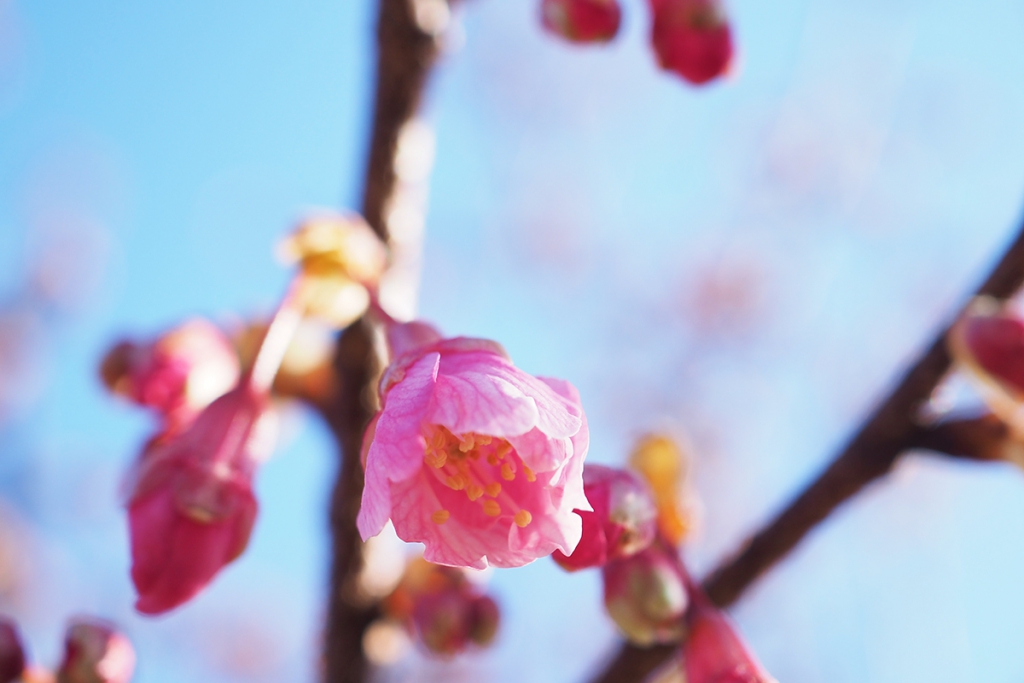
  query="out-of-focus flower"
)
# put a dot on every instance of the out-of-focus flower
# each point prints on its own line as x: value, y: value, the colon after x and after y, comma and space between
x: 471, y: 456
x: 94, y: 652
x: 178, y: 374
x: 306, y: 370
x: 987, y: 342
x: 191, y: 506
x: 582, y: 21
x: 692, y: 38
x: 663, y: 465
x: 442, y: 608
x: 339, y: 257
x: 646, y: 595
x: 623, y: 522
x: 12, y: 654
x: 713, y: 652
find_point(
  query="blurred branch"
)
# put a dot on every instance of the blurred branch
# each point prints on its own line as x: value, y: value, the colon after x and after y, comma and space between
x: 985, y: 438
x: 406, y: 54
x: 888, y: 432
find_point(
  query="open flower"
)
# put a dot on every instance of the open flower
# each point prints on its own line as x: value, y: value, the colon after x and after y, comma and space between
x: 471, y: 456
x: 623, y: 522
x: 582, y: 21
x: 94, y: 652
x: 191, y: 506
x: 692, y: 38
x: 178, y: 374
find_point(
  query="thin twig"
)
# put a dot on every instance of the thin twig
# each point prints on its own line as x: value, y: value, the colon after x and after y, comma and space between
x: 406, y: 54
x: 889, y: 431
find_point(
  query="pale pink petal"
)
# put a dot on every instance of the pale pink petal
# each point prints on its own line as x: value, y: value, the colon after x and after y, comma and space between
x: 547, y: 533
x: 410, y: 337
x: 481, y: 403
x: 541, y: 453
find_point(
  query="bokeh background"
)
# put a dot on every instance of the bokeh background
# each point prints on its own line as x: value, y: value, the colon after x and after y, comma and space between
x: 748, y: 264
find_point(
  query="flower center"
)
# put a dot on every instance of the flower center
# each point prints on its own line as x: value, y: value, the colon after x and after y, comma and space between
x: 474, y: 463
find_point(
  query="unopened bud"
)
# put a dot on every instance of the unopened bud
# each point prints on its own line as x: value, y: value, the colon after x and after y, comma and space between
x: 646, y: 596
x: 582, y: 21
x: 714, y: 652
x: 94, y: 652
x: 692, y: 38
x: 623, y: 521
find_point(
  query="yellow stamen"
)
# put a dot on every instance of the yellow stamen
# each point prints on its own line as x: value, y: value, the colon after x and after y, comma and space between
x: 530, y: 476
x: 493, y: 489
x: 436, y: 459
x: 522, y: 518
x: 474, y: 491
x: 491, y: 508
x: 441, y: 516
x: 456, y: 482
x: 508, y: 471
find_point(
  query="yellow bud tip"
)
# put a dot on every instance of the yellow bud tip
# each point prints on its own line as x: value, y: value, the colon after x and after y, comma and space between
x: 491, y: 508
x: 508, y: 473
x: 474, y: 491
x: 493, y: 489
x: 530, y: 476
x: 523, y: 518
x: 440, y: 517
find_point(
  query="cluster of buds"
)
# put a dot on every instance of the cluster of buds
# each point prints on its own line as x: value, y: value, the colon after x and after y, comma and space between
x: 442, y: 608
x: 691, y: 38
x: 191, y: 506
x: 94, y: 652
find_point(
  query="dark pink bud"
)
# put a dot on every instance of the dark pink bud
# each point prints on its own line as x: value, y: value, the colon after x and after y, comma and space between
x: 192, y: 507
x: 713, y: 652
x: 582, y: 21
x: 646, y: 595
x: 997, y: 345
x: 623, y: 522
x: 445, y: 620
x: 94, y: 652
x: 12, y: 655
x: 692, y: 38
x: 484, y: 619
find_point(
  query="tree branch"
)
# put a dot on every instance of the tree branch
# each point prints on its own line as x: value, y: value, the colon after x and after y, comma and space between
x: 406, y: 54
x: 889, y: 431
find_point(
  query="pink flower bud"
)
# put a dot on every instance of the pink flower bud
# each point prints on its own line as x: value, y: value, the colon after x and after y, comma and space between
x: 94, y: 652
x: 692, y: 38
x: 713, y: 652
x: 623, y: 522
x: 582, y: 21
x: 177, y: 375
x: 473, y: 457
x: 192, y: 507
x: 12, y: 655
x: 483, y: 620
x: 646, y: 596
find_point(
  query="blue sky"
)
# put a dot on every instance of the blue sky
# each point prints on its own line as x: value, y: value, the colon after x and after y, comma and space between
x: 749, y: 264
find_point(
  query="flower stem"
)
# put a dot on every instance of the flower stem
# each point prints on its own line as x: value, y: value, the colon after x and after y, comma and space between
x: 277, y: 338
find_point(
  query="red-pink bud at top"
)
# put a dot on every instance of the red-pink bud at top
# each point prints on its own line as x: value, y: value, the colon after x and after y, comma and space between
x: 12, y: 654
x: 178, y: 374
x: 994, y: 340
x: 192, y: 508
x: 646, y: 596
x: 692, y: 38
x: 94, y: 652
x: 713, y: 651
x: 471, y: 456
x: 582, y: 21
x: 623, y: 522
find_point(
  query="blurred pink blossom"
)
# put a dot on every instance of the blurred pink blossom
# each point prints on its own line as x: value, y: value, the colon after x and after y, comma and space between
x: 692, y: 38
x: 582, y: 21
x: 94, y: 652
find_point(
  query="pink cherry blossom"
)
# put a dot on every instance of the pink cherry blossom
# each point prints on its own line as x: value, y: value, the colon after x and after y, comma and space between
x: 582, y: 21
x: 713, y: 651
x: 692, y: 38
x: 473, y: 457
x: 94, y: 652
x: 623, y: 522
x: 12, y: 654
x: 192, y: 507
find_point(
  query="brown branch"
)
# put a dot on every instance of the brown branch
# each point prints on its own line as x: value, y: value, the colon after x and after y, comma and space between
x: 985, y: 438
x: 406, y: 54
x: 890, y: 430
